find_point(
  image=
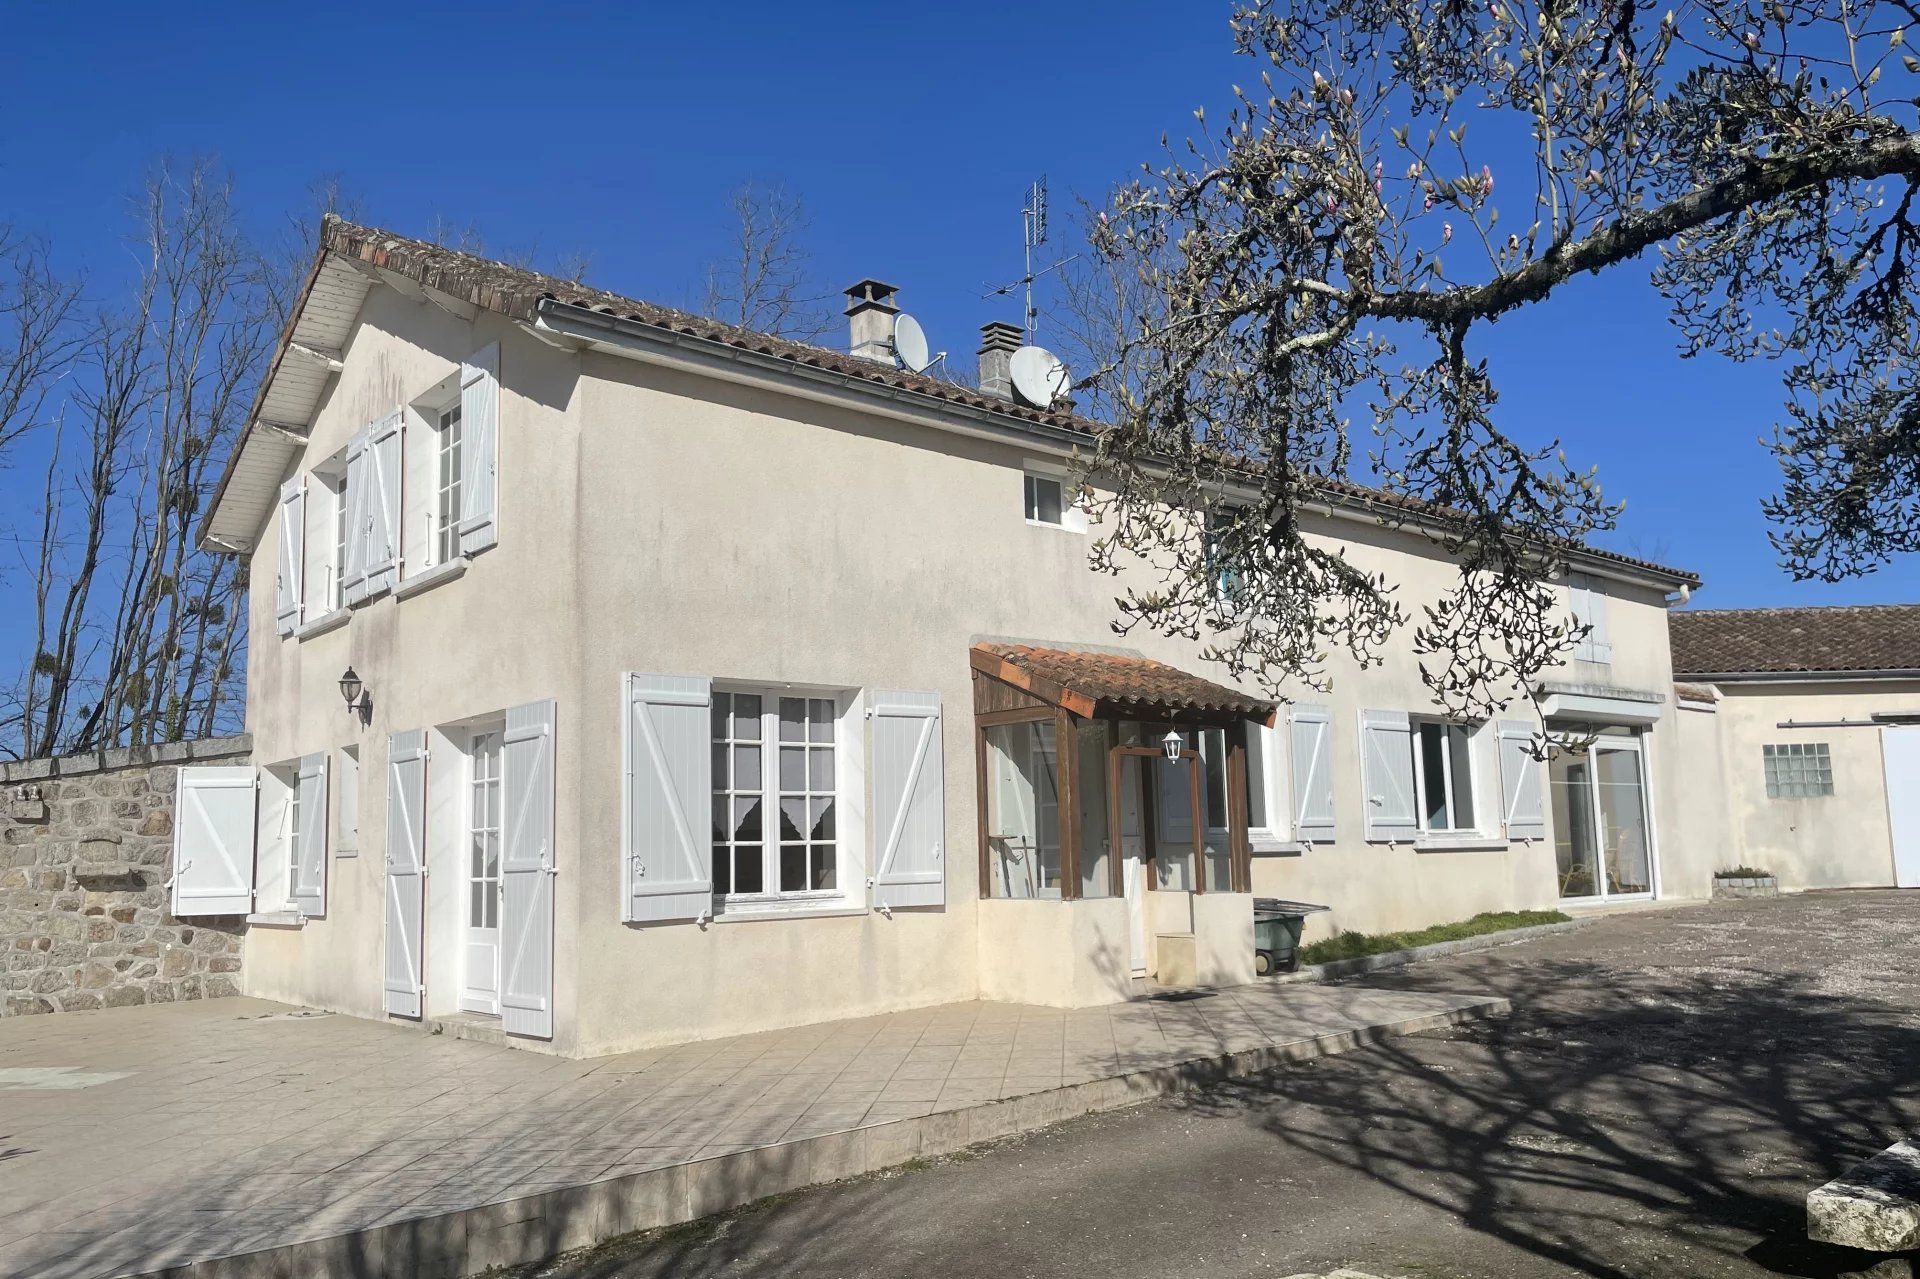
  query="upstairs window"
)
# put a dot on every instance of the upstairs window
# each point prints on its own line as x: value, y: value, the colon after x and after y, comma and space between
x: 1589, y: 604
x: 1797, y: 770
x: 446, y: 510
x: 1046, y: 500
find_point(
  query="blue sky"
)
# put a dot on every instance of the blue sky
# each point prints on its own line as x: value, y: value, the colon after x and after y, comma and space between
x: 617, y: 130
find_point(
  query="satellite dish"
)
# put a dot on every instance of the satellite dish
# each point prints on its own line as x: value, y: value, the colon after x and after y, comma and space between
x: 910, y: 343
x: 1039, y: 376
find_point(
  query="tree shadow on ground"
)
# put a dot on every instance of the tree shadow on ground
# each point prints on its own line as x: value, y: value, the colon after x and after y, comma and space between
x: 1616, y: 1114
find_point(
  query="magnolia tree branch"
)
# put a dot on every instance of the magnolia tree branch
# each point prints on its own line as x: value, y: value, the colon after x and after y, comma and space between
x: 1336, y: 247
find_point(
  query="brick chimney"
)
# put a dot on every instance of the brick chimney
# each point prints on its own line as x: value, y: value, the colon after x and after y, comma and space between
x: 870, y: 312
x: 998, y: 342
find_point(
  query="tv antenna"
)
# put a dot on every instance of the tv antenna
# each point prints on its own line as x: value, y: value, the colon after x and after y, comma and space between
x: 1033, y: 222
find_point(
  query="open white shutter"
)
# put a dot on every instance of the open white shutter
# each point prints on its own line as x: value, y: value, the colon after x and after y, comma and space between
x: 213, y: 809
x: 526, y: 871
x: 669, y: 797
x: 291, y: 587
x: 909, y: 800
x: 353, y: 574
x: 479, y: 448
x: 1386, y: 764
x: 383, y: 503
x: 1525, y: 810
x: 406, y: 869
x: 1589, y: 604
x: 310, y: 840
x: 1311, y: 757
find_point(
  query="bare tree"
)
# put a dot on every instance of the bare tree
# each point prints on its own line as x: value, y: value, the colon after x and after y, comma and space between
x: 138, y: 635
x: 764, y: 284
x: 36, y: 338
x: 1338, y: 246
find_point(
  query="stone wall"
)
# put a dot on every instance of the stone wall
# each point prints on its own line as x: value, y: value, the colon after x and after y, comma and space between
x: 86, y: 844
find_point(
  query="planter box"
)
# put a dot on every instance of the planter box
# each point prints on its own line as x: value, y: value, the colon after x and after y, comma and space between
x: 1768, y: 886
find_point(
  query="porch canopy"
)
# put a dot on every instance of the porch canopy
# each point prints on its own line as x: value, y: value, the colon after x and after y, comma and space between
x: 1053, y: 801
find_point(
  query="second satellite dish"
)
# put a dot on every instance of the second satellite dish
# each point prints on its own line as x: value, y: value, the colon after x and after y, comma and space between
x: 910, y: 343
x: 1039, y: 376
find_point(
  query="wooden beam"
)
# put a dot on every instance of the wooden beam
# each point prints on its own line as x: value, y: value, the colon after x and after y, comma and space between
x: 980, y: 797
x: 1007, y: 672
x: 1241, y: 850
x: 286, y: 430
x: 1066, y: 754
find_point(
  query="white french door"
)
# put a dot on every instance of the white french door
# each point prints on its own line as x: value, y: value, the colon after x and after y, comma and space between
x: 480, y: 976
x: 1602, y: 823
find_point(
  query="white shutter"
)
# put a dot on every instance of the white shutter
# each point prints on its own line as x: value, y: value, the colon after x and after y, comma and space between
x: 290, y: 590
x: 1312, y: 762
x: 383, y: 503
x: 1386, y: 768
x: 909, y: 800
x: 669, y: 797
x: 213, y: 812
x: 353, y: 574
x: 526, y: 871
x: 309, y: 893
x: 1590, y: 610
x: 406, y: 869
x: 1525, y: 810
x: 479, y: 448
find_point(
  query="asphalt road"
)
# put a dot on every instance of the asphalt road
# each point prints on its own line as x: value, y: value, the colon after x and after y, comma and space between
x: 1672, y: 1083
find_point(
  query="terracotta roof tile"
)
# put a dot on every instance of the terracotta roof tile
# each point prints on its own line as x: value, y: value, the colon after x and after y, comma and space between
x: 1779, y: 641
x: 1124, y: 680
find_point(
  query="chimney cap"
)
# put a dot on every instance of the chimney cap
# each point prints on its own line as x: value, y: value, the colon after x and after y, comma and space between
x: 998, y: 335
x: 871, y: 294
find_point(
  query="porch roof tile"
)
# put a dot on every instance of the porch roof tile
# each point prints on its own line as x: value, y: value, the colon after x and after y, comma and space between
x: 1122, y: 680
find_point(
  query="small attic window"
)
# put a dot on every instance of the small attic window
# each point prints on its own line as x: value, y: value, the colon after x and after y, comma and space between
x: 1046, y: 500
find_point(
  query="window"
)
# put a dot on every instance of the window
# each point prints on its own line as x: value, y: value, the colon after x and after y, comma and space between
x: 1797, y: 770
x: 1443, y: 776
x: 1227, y: 580
x: 1046, y: 500
x: 483, y: 879
x: 1023, y: 809
x: 446, y: 511
x: 797, y: 785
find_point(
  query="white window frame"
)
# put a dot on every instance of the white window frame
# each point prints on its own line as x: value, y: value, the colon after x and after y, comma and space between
x: 326, y: 546
x: 1273, y: 778
x: 448, y: 440
x: 275, y: 840
x: 484, y: 742
x: 1589, y: 605
x: 1471, y: 743
x: 849, y: 809
x: 1073, y: 515
x: 421, y: 486
x: 345, y: 788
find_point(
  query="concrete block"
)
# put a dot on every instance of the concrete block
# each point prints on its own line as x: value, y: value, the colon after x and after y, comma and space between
x: 893, y: 1143
x: 991, y: 1121
x: 838, y: 1155
x: 943, y: 1132
x: 1177, y: 960
x: 1874, y: 1206
x: 727, y: 1181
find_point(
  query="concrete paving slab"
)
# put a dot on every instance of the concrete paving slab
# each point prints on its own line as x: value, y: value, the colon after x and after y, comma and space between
x: 333, y: 1145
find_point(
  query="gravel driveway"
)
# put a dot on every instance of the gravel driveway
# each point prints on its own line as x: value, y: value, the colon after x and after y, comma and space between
x: 1671, y: 1084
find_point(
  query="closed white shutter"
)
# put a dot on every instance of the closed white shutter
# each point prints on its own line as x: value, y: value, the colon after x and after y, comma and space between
x: 909, y: 800
x: 1525, y: 810
x: 1589, y: 603
x: 290, y: 588
x: 669, y: 797
x: 309, y: 893
x: 526, y: 871
x: 406, y: 869
x: 1386, y: 765
x: 1312, y: 730
x: 479, y: 449
x: 383, y: 503
x: 213, y: 812
x: 353, y: 574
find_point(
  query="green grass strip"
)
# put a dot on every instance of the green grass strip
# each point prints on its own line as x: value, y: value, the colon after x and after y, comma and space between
x: 1355, y: 945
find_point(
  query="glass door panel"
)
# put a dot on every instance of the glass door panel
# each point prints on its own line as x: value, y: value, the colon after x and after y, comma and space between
x: 1622, y: 811
x: 1574, y: 846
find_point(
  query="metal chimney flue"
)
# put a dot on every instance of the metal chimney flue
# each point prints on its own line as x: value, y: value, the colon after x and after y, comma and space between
x: 998, y: 342
x: 870, y: 313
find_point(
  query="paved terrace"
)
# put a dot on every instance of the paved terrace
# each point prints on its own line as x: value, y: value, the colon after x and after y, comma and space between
x: 134, y: 1140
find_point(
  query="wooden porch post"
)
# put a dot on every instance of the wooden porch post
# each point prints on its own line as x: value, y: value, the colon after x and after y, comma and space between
x: 1066, y: 739
x: 1194, y: 765
x: 1241, y: 850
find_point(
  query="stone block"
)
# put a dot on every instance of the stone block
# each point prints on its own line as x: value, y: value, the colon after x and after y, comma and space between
x: 158, y: 822
x: 219, y: 987
x: 79, y: 1001
x: 1874, y: 1206
x: 125, y: 996
x: 25, y: 1005
x: 178, y: 963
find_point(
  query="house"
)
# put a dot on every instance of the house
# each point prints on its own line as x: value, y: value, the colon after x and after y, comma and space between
x: 1807, y: 728
x: 699, y: 682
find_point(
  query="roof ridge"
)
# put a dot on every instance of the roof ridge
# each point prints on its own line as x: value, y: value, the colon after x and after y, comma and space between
x: 1681, y: 613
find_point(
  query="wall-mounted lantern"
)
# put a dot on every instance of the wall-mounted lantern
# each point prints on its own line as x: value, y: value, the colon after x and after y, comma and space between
x: 1173, y: 744
x: 354, y: 691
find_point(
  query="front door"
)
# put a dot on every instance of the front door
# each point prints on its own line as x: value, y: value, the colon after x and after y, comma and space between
x: 1900, y: 754
x: 1133, y: 858
x: 480, y: 982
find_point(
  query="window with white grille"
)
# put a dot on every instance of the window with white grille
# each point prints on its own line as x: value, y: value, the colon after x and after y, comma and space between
x: 1797, y: 770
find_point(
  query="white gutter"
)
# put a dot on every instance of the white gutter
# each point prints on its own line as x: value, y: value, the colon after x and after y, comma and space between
x: 651, y: 344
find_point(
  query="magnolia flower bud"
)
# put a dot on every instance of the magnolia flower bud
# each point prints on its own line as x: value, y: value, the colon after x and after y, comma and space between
x: 1446, y: 232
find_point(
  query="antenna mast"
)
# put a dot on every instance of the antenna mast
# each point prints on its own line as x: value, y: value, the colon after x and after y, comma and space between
x: 1033, y: 224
